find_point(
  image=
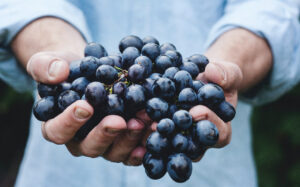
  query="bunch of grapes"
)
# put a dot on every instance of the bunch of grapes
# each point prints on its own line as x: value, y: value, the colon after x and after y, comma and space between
x: 145, y: 75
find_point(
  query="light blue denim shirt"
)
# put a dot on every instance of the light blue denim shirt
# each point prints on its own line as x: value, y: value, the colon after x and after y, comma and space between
x: 192, y: 25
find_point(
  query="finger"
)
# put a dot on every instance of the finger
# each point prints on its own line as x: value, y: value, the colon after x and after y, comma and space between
x: 50, y: 67
x: 201, y: 112
x: 136, y: 156
x: 143, y: 116
x: 102, y: 136
x: 225, y: 74
x: 64, y: 126
x: 123, y: 145
x: 149, y: 130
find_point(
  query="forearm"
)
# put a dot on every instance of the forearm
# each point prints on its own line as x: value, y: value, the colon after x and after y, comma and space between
x: 250, y: 52
x: 47, y: 34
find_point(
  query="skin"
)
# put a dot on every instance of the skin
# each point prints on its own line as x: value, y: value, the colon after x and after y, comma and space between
x: 46, y: 55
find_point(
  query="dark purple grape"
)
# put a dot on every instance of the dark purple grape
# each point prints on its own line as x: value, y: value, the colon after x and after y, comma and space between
x: 45, y: 108
x: 96, y: 94
x: 155, y: 166
x: 179, y: 143
x: 172, y: 109
x: 205, y: 133
x: 147, y: 84
x: 74, y: 68
x: 46, y: 90
x: 179, y: 167
x: 135, y: 98
x: 79, y: 85
x: 194, y: 150
x: 197, y: 84
x: 145, y: 62
x: 66, y: 98
x: 164, y: 88
x: 128, y: 56
x: 136, y: 73
x: 191, y: 68
x: 106, y: 74
x: 210, y: 95
x: 170, y: 72
x: 175, y: 57
x: 166, y: 47
x: 166, y: 127
x: 106, y: 61
x: 63, y: 87
x: 88, y: 66
x: 182, y: 119
x: 117, y: 60
x: 150, y: 39
x: 183, y: 80
x: 157, y: 144
x: 151, y: 50
x: 162, y: 63
x: 115, y: 105
x: 95, y: 50
x: 200, y: 60
x: 225, y: 111
x: 157, y: 109
x: 187, y: 98
x: 130, y: 41
x: 119, y: 89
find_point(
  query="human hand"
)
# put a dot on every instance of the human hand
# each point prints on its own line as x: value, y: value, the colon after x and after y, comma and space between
x: 112, y: 138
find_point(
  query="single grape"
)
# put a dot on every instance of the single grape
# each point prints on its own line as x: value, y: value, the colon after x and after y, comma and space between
x: 145, y: 62
x: 147, y: 84
x: 210, y: 95
x: 164, y: 88
x: 135, y: 98
x: 115, y: 105
x: 191, y: 68
x: 128, y: 56
x: 182, y: 119
x: 194, y: 150
x: 79, y: 85
x: 172, y: 109
x: 200, y: 60
x: 179, y: 167
x: 197, y: 84
x: 106, y: 74
x: 106, y: 61
x: 165, y: 127
x: 151, y: 50
x: 46, y: 90
x: 130, y: 41
x: 119, y: 89
x: 74, y: 72
x: 175, y: 57
x: 155, y: 166
x: 170, y: 72
x: 150, y: 39
x: 157, y: 144
x: 180, y: 143
x: 45, y: 108
x: 96, y: 94
x: 157, y: 109
x: 88, y: 66
x: 225, y: 111
x: 95, y: 50
x: 136, y: 73
x: 66, y: 98
x: 63, y: 87
x: 187, y: 98
x: 205, y: 133
x: 162, y: 63
x: 183, y: 80
x: 166, y: 47
x: 117, y: 60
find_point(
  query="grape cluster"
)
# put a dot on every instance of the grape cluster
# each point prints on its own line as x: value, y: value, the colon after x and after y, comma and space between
x: 145, y: 75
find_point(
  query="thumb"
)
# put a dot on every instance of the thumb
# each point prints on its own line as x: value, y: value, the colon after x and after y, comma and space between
x: 50, y: 67
x: 226, y: 74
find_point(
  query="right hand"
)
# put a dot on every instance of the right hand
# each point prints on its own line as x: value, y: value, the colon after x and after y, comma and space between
x: 112, y: 138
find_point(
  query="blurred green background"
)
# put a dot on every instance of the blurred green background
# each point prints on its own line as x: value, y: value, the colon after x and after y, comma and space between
x: 276, y: 139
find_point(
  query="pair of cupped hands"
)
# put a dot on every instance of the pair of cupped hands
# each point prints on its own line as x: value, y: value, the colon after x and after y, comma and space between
x: 114, y: 138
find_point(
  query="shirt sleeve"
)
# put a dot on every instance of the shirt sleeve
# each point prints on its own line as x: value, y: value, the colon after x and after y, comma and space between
x: 276, y: 21
x: 15, y: 15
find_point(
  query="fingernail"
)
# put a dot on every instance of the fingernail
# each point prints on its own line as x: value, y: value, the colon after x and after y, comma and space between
x: 54, y: 69
x: 81, y: 113
x: 220, y: 71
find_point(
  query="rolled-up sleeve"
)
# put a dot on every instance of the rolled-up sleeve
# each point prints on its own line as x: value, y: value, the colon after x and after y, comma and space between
x: 276, y: 21
x: 15, y: 15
